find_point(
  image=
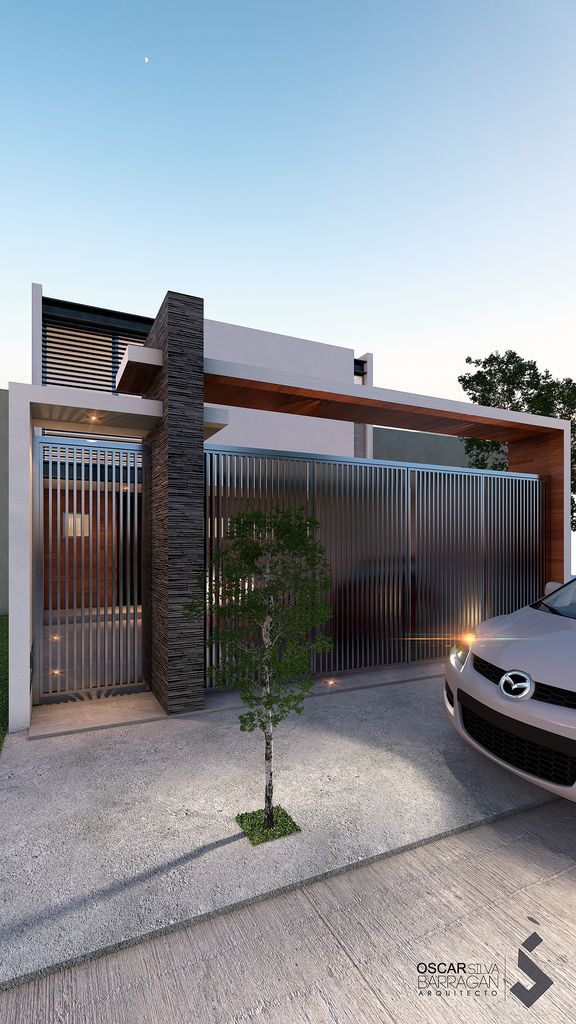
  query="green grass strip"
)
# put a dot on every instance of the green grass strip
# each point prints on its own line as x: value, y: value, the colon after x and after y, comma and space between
x: 252, y: 822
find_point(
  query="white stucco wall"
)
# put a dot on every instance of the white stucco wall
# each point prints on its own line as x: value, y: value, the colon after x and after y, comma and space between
x: 4, y: 502
x: 31, y: 405
x: 19, y: 557
x: 256, y: 429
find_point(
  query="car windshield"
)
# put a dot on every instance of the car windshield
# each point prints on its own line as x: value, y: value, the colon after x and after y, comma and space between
x: 561, y: 601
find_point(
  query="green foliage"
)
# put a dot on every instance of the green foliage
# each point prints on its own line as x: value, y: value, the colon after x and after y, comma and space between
x: 3, y: 677
x: 510, y: 382
x: 486, y: 454
x: 252, y: 822
x: 266, y: 595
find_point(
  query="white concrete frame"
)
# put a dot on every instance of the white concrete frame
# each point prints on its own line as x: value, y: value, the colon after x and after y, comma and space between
x: 476, y: 414
x: 36, y: 333
x: 30, y: 406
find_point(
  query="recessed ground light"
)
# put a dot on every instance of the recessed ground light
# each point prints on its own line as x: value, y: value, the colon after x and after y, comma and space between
x: 330, y: 682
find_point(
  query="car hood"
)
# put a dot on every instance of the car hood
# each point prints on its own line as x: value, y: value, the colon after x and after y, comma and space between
x: 533, y: 641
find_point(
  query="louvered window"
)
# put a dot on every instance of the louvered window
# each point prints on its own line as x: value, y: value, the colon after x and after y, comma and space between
x: 82, y: 347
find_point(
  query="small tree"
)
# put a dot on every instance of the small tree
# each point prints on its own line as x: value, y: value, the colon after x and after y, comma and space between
x: 266, y: 595
x: 508, y: 381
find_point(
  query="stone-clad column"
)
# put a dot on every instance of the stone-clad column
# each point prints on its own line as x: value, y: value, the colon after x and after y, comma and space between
x: 174, y: 507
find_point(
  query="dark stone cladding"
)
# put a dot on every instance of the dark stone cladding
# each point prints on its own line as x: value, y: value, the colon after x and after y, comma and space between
x: 174, y: 507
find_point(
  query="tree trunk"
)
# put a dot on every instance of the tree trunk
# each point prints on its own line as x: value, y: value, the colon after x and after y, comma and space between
x: 268, y: 790
x: 268, y: 793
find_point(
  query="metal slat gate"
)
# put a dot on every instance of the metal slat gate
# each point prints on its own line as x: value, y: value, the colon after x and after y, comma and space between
x: 89, y: 569
x: 418, y: 555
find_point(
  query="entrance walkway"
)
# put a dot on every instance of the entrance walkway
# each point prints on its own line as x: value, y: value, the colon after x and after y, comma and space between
x: 102, y: 713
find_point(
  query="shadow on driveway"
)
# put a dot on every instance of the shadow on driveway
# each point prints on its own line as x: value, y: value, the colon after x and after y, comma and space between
x: 116, y: 889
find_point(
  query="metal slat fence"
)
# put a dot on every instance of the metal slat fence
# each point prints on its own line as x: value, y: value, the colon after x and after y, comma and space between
x: 89, y: 578
x: 418, y: 554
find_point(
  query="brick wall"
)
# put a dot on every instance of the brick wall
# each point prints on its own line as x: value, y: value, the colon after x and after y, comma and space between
x: 174, y: 507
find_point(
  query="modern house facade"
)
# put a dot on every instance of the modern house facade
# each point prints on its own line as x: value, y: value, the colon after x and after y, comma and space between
x: 138, y: 438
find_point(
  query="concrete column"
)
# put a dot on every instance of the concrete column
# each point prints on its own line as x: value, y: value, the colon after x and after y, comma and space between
x: 4, y: 502
x: 36, y: 333
x: 368, y: 359
x: 20, y: 557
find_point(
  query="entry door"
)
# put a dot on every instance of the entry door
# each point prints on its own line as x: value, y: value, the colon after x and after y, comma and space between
x: 89, y: 569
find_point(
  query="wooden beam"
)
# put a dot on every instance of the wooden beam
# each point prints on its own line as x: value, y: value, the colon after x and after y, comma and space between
x: 357, y: 408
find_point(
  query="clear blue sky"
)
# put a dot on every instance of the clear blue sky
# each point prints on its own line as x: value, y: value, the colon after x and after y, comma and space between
x: 396, y: 177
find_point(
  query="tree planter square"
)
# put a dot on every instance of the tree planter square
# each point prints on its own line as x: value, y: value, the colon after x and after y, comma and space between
x: 252, y: 823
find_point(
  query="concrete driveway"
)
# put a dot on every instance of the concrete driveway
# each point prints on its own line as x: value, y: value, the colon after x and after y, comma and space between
x: 345, y: 950
x: 112, y: 836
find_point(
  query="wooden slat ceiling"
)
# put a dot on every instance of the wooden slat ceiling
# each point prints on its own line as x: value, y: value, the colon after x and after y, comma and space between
x: 222, y: 389
x: 137, y: 378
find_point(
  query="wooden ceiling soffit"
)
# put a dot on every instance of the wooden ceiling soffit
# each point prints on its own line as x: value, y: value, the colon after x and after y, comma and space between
x: 273, y: 397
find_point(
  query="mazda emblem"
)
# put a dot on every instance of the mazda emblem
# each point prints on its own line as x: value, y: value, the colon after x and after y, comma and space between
x: 518, y: 685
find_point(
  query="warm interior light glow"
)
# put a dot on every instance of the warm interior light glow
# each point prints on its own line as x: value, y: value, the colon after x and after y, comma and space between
x: 93, y: 418
x: 55, y: 637
x: 74, y: 525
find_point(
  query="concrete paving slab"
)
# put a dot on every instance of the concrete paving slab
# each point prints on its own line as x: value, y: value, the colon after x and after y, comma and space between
x: 86, y: 715
x: 114, y: 835
x: 325, y: 953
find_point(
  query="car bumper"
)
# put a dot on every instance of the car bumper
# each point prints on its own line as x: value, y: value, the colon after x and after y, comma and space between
x: 532, y: 739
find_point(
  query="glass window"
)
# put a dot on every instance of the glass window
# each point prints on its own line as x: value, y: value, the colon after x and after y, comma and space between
x: 75, y: 525
x: 561, y: 601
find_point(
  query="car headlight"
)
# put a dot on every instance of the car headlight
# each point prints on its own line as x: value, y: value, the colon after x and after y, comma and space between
x: 461, y: 650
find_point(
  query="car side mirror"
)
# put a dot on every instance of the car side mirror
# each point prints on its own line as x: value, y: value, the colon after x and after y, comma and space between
x: 551, y: 587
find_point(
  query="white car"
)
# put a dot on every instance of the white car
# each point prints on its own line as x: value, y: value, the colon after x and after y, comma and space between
x: 510, y: 690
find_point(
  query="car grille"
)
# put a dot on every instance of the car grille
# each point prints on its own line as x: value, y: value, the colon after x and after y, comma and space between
x: 520, y: 745
x: 491, y: 672
x: 554, y: 695
x: 542, y: 691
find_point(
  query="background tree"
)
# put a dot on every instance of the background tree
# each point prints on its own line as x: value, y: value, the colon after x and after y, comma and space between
x: 266, y: 595
x: 510, y: 382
